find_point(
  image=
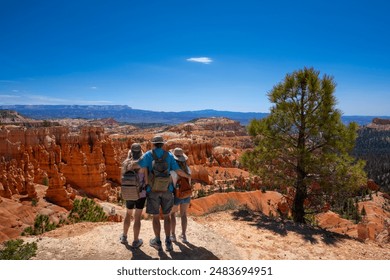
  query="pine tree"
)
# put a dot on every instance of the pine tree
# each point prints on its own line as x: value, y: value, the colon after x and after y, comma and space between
x: 303, y: 141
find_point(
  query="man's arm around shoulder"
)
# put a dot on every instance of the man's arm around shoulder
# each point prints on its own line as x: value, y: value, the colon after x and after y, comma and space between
x: 183, y: 174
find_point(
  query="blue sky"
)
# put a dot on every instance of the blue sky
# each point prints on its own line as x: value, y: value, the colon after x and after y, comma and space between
x: 190, y: 55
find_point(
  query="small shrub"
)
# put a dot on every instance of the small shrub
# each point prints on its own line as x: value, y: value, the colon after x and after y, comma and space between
x: 86, y: 210
x: 311, y: 219
x: 229, y: 205
x: 41, y: 224
x: 34, y: 202
x: 350, y: 210
x: 45, y: 181
x: 16, y: 250
x: 201, y: 193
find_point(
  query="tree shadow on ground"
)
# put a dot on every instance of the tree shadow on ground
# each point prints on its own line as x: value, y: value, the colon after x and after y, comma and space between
x: 282, y: 227
x: 187, y: 251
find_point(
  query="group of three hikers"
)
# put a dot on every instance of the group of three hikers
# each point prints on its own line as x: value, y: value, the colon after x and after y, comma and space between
x: 158, y: 172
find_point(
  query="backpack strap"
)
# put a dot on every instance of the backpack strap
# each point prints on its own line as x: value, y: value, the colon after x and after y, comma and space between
x: 155, y: 157
x: 165, y: 155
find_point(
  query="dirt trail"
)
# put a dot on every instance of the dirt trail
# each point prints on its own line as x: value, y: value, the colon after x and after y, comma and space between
x: 224, y: 235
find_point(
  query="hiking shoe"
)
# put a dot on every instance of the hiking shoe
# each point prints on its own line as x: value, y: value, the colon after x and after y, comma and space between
x: 137, y: 244
x: 173, y: 238
x: 184, y: 238
x: 155, y: 244
x: 123, y: 239
x: 168, y: 244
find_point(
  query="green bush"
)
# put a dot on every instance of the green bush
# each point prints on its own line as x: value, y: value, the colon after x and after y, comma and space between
x: 16, y: 250
x: 41, y: 225
x: 311, y: 219
x: 86, y: 210
x: 201, y: 193
x: 34, y: 202
x: 350, y: 210
x: 45, y: 181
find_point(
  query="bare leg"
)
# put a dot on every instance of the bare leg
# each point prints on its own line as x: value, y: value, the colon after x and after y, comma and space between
x: 137, y: 223
x: 173, y: 220
x: 156, y: 225
x: 127, y: 221
x: 167, y: 225
x: 183, y: 215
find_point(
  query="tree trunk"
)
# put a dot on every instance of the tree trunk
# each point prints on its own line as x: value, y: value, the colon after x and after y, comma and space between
x: 298, y: 209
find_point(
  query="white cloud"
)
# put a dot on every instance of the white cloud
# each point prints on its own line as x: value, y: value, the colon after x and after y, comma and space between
x: 204, y: 60
x: 93, y: 87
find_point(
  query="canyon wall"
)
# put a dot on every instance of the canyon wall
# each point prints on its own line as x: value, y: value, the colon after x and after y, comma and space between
x: 64, y: 161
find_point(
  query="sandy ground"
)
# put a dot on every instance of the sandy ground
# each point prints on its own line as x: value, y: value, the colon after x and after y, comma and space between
x: 224, y: 235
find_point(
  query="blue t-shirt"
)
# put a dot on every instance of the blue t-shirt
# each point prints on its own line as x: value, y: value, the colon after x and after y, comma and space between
x: 147, y: 160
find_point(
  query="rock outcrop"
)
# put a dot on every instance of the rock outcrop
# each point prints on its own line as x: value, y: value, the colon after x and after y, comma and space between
x: 16, y: 215
x: 381, y: 121
x: 380, y: 124
x: 374, y: 225
x: 266, y: 203
x: 59, y: 159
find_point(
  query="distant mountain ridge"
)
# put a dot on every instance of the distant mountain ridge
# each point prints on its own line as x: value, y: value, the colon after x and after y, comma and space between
x: 124, y: 113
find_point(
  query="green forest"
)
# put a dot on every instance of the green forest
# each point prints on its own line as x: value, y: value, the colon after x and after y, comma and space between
x: 373, y: 146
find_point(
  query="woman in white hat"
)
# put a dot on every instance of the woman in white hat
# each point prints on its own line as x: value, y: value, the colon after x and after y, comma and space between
x: 182, y: 203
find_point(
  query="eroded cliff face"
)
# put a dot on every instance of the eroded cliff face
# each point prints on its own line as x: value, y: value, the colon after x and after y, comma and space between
x: 63, y: 161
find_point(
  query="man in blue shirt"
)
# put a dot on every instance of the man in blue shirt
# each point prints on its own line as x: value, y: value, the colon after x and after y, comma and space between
x: 163, y: 199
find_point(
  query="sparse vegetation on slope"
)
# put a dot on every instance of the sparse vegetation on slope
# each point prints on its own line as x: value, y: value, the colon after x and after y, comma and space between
x: 373, y: 146
x: 41, y: 224
x: 86, y: 210
x: 16, y: 250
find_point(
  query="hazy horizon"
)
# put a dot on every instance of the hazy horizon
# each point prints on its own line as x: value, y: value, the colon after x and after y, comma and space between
x: 162, y: 111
